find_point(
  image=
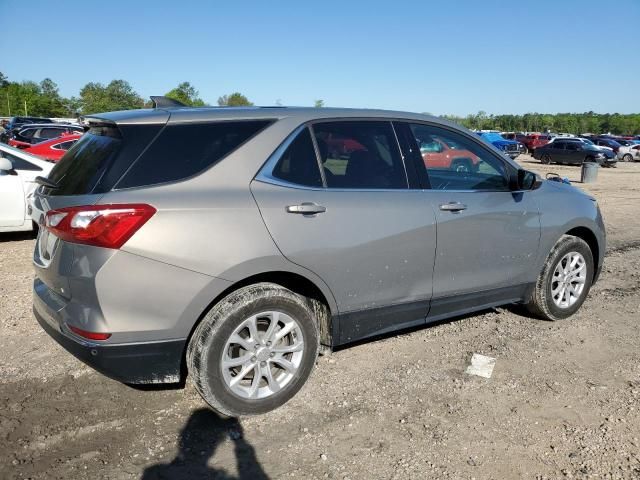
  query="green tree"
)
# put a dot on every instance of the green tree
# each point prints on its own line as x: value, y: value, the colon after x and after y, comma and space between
x: 235, y: 99
x: 318, y: 103
x: 118, y: 95
x: 187, y: 94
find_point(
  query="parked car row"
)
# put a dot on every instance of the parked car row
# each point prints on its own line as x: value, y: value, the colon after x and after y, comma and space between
x: 42, y: 137
x: 605, y: 149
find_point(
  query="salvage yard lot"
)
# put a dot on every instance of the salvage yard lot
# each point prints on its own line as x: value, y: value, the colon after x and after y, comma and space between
x: 564, y: 398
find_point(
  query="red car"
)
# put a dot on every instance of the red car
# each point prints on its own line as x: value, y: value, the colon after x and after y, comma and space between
x: 18, y: 144
x: 448, y: 155
x: 53, y: 149
x: 535, y: 140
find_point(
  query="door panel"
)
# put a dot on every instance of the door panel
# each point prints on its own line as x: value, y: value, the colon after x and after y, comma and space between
x: 490, y: 245
x: 487, y: 236
x: 12, y: 201
x: 372, y: 248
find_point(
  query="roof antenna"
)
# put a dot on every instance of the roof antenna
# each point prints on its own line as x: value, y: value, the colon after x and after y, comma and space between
x: 160, y: 102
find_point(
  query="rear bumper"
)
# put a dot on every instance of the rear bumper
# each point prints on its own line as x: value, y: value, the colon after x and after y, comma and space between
x: 134, y: 363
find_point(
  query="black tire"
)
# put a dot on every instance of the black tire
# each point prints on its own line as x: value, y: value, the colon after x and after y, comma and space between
x: 627, y: 157
x: 546, y: 159
x: 204, y: 353
x: 463, y: 165
x: 541, y: 303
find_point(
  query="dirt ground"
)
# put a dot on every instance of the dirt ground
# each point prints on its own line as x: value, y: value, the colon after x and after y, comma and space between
x: 563, y: 401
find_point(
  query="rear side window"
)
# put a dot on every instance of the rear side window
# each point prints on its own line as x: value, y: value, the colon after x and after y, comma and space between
x: 184, y: 150
x: 50, y: 132
x: 28, y: 133
x: 298, y: 163
x: 360, y: 155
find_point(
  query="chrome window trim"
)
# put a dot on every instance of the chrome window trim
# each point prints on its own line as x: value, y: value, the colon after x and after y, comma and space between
x: 265, y: 174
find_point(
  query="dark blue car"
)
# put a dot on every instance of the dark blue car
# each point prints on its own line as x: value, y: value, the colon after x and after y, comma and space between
x: 509, y: 147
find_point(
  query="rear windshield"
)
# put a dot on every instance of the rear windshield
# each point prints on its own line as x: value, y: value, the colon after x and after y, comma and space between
x: 184, y: 150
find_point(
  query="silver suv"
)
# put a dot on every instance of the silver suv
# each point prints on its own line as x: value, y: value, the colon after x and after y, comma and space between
x: 232, y: 244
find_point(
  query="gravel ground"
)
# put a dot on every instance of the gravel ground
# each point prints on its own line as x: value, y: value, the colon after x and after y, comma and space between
x: 563, y: 401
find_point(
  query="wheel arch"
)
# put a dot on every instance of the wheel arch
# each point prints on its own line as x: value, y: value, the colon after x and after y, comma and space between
x: 588, y: 236
x: 293, y: 281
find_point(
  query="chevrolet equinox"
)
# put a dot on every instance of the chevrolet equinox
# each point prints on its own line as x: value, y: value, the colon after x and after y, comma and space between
x: 232, y: 244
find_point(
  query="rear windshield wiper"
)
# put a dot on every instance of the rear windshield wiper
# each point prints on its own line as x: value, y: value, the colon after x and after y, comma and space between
x: 46, y: 182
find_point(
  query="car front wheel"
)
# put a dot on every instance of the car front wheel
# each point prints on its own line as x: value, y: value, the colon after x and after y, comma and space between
x: 254, y: 349
x: 565, y: 280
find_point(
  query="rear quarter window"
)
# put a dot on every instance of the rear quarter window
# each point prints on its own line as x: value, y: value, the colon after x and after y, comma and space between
x: 184, y: 150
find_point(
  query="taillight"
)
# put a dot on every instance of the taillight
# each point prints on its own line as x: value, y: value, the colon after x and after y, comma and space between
x: 108, y: 226
x: 89, y: 335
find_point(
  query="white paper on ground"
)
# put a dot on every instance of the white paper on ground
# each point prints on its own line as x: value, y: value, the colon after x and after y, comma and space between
x: 481, y: 366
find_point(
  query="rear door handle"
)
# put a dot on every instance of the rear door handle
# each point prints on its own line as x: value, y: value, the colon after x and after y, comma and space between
x: 453, y: 207
x: 306, y: 208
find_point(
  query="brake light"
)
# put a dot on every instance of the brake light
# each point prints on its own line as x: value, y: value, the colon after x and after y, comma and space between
x: 89, y: 335
x: 108, y: 226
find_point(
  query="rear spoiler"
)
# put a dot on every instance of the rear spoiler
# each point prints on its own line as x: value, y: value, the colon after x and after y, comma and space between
x: 161, y: 102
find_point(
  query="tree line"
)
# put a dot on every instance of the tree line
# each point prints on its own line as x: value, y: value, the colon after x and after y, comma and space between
x: 576, y: 123
x: 44, y: 100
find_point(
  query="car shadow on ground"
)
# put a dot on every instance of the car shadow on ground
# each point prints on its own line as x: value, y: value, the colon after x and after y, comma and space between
x: 18, y: 236
x: 199, y: 439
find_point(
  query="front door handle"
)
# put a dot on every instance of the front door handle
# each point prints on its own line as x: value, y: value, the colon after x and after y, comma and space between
x: 306, y: 208
x: 453, y: 207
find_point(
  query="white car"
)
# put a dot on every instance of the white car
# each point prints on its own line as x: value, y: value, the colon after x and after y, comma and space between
x: 633, y: 155
x: 18, y: 171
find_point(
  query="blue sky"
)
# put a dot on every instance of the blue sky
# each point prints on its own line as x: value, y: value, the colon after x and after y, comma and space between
x: 446, y: 56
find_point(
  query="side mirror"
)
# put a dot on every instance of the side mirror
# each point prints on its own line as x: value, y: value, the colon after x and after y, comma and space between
x: 528, y: 180
x: 5, y: 165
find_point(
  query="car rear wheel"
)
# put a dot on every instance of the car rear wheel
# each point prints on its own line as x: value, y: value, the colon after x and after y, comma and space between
x: 627, y: 157
x: 546, y: 158
x: 565, y: 280
x: 254, y: 349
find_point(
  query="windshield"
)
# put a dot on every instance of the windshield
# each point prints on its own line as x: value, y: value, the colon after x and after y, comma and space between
x: 587, y: 141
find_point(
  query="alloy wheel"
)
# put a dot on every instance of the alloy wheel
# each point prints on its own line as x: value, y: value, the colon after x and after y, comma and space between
x: 568, y: 280
x: 262, y: 355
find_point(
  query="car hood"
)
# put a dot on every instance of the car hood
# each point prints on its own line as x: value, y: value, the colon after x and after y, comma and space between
x: 570, y: 189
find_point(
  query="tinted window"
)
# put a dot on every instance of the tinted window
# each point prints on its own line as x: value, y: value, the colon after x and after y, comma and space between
x: 573, y: 146
x: 50, y: 132
x: 185, y: 150
x: 65, y: 145
x: 455, y: 162
x: 559, y: 145
x: 84, y: 164
x: 360, y: 155
x: 28, y: 133
x: 298, y: 163
x: 19, y: 163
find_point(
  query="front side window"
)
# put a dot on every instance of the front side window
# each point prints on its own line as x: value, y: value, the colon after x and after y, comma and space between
x: 455, y: 162
x: 360, y: 155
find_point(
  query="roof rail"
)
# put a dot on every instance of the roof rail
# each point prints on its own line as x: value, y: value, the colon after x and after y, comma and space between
x: 160, y: 102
